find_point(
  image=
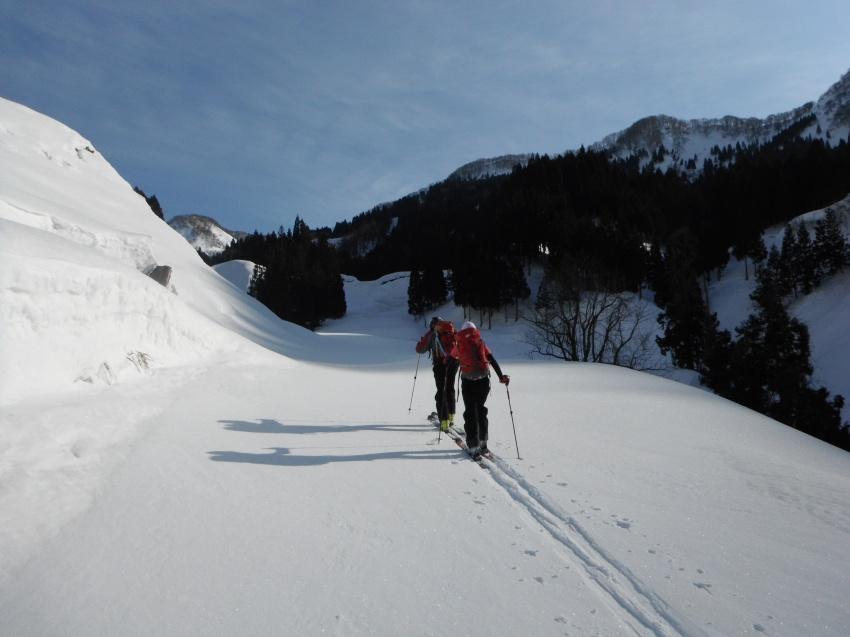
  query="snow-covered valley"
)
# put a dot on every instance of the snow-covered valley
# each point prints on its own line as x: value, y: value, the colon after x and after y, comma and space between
x: 177, y: 461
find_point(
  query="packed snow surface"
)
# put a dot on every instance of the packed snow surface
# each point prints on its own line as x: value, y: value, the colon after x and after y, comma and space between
x: 239, y: 272
x: 177, y: 461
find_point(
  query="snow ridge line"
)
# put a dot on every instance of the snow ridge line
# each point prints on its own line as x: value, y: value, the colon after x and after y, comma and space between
x: 628, y: 592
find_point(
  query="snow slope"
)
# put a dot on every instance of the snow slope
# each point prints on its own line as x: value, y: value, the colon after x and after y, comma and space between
x: 239, y: 272
x: 76, y: 244
x: 228, y: 488
x: 825, y: 311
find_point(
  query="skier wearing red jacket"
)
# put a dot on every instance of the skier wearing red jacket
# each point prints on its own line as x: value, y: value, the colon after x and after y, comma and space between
x: 439, y: 342
x: 475, y: 360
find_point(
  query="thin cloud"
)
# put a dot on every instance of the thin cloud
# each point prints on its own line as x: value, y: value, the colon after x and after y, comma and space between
x: 257, y: 111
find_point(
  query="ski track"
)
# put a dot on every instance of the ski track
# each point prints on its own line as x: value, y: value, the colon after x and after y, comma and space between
x: 636, y: 600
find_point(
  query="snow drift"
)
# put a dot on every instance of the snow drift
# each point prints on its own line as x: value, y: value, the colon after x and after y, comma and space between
x: 76, y: 244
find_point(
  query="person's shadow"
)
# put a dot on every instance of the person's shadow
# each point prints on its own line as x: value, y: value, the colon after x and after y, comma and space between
x: 269, y: 426
x: 283, y: 457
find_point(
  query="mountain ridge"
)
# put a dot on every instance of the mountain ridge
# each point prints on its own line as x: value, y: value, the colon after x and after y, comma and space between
x: 693, y: 139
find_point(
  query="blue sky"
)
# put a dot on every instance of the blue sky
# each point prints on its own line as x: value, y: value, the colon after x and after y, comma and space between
x: 255, y: 111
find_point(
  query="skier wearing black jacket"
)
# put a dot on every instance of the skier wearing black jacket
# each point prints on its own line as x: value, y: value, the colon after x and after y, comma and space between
x: 439, y: 342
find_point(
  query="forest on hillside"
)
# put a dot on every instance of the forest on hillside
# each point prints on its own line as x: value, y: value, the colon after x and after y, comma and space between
x: 593, y: 223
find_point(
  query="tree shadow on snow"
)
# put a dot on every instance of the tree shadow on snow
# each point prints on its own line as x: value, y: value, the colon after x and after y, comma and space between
x: 269, y: 426
x: 282, y: 457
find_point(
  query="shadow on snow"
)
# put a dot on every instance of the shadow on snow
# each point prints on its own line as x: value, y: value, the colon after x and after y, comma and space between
x: 269, y: 426
x: 282, y: 457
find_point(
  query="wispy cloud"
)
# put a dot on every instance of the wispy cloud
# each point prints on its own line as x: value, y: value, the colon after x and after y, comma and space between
x: 256, y: 111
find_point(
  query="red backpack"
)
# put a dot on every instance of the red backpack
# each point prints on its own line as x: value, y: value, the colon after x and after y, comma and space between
x: 473, y: 354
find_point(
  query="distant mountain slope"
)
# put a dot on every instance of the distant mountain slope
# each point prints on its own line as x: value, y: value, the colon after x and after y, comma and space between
x: 692, y: 140
x: 481, y: 168
x: 204, y: 233
x: 689, y: 142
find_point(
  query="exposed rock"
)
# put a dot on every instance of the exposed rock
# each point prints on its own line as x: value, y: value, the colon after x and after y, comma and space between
x: 161, y: 274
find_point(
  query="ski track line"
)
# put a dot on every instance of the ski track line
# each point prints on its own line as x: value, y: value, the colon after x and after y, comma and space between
x: 612, y: 576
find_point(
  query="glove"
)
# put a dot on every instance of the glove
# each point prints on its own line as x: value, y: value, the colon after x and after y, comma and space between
x: 504, y: 379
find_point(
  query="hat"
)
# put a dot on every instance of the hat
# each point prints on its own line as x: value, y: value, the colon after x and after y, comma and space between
x: 468, y: 325
x: 435, y: 320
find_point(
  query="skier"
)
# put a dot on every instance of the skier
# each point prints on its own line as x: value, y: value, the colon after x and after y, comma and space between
x: 475, y: 359
x: 439, y: 342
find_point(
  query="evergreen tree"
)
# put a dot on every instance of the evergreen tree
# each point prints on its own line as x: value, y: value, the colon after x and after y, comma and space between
x: 758, y: 253
x: 716, y: 371
x: 830, y: 245
x: 805, y: 266
x: 434, y: 289
x: 152, y: 201
x: 770, y: 281
x: 685, y: 313
x: 789, y: 260
x: 415, y: 305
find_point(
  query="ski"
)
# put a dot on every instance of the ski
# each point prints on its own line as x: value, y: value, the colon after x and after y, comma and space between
x: 434, y: 419
x: 459, y: 437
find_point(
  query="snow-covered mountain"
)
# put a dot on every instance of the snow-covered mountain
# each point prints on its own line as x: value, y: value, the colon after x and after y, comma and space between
x: 491, y: 167
x: 689, y: 142
x: 204, y: 233
x: 175, y: 460
x: 692, y: 140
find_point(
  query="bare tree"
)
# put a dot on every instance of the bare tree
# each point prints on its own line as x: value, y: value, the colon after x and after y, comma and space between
x: 598, y: 326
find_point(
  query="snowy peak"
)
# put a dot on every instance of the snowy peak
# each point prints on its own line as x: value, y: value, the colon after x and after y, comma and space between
x: 204, y: 233
x: 481, y: 168
x: 679, y: 135
x: 833, y: 107
x: 688, y: 142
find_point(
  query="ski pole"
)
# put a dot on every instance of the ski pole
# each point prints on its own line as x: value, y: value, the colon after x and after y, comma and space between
x: 415, y: 374
x: 445, y: 402
x: 512, y: 421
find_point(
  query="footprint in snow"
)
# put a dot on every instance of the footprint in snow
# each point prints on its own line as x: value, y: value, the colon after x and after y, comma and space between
x: 624, y: 524
x: 531, y: 552
x: 703, y: 586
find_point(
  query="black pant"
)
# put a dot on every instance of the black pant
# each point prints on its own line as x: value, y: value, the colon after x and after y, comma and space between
x: 475, y: 413
x: 444, y: 377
